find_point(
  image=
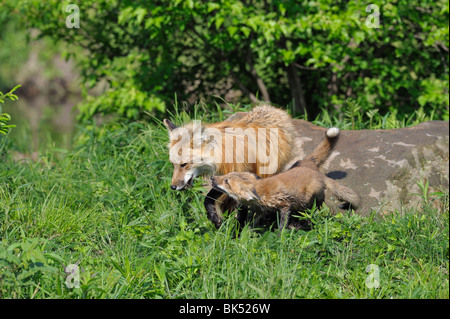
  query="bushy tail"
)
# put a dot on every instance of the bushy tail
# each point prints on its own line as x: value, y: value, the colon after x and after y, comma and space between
x: 342, y: 193
x: 324, y: 149
x: 321, y: 152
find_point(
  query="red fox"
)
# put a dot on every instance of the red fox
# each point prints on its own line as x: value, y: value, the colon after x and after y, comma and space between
x: 293, y: 190
x: 260, y: 142
x: 231, y: 146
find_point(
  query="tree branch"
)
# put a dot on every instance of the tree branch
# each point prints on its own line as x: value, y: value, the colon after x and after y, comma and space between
x: 236, y: 79
x: 296, y: 87
x: 305, y: 67
x: 262, y: 87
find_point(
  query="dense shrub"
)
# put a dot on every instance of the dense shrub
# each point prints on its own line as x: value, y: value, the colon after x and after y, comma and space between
x: 4, y: 117
x: 310, y: 55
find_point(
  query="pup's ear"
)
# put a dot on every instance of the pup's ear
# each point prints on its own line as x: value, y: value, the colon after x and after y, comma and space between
x: 170, y: 126
x: 251, y: 194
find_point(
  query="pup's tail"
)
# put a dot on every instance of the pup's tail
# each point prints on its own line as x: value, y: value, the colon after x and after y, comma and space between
x: 324, y: 149
x: 321, y: 152
x: 342, y: 192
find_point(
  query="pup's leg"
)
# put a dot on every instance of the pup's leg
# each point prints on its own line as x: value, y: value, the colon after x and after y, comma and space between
x: 210, y: 205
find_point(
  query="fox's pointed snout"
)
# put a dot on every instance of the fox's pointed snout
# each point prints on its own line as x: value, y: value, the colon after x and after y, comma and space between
x: 173, y: 187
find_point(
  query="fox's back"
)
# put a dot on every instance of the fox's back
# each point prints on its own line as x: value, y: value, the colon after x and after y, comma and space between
x: 264, y: 117
x: 292, y: 186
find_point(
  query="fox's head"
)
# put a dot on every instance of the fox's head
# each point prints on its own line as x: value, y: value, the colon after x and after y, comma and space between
x: 185, y: 156
x: 239, y: 186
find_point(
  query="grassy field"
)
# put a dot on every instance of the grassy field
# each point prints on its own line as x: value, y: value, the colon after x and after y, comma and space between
x: 106, y: 206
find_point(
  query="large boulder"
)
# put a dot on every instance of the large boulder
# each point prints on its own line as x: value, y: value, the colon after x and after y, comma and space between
x: 384, y: 166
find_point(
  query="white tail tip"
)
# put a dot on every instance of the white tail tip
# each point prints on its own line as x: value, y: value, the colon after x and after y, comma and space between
x: 333, y: 132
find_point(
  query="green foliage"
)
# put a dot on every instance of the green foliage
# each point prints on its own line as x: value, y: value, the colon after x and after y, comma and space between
x: 310, y: 55
x: 354, y: 118
x: 4, y: 117
x: 107, y: 206
x: 14, y: 49
x: 23, y: 268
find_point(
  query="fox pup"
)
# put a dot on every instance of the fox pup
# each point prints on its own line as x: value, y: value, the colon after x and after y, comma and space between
x: 291, y: 191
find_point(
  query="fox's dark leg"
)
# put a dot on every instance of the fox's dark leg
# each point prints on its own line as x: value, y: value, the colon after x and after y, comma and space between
x: 241, y: 215
x: 210, y: 202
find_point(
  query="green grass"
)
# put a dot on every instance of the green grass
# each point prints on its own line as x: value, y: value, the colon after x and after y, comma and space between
x: 107, y: 206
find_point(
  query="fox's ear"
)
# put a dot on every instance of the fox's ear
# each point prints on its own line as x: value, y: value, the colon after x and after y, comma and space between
x: 170, y: 126
x: 251, y: 194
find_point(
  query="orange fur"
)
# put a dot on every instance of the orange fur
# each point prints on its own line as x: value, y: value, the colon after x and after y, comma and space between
x: 294, y: 190
x: 262, y: 117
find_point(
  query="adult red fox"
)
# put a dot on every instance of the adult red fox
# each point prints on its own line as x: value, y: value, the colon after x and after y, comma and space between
x: 231, y: 146
x: 296, y: 189
x: 259, y: 142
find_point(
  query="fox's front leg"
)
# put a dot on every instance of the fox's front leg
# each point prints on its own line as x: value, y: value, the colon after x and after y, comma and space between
x: 285, y: 212
x: 241, y: 215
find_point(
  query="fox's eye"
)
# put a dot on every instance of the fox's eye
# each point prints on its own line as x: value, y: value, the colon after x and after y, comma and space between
x: 183, y: 165
x: 226, y: 181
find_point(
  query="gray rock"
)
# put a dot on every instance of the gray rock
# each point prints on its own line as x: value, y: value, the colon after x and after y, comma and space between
x: 384, y: 166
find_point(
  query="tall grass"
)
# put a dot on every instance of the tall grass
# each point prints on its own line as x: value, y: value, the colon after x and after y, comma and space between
x: 107, y: 207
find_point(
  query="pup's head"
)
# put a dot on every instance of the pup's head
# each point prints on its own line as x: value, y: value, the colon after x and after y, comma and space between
x: 239, y: 186
x: 185, y: 148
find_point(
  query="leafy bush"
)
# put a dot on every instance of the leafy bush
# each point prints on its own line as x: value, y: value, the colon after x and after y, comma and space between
x: 4, y: 117
x: 14, y: 48
x: 310, y: 55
